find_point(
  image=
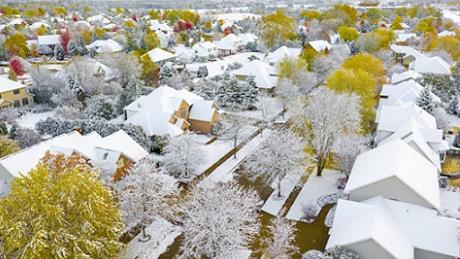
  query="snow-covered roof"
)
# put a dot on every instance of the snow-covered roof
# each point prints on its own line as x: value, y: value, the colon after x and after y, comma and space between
x: 247, y: 38
x: 158, y: 55
x: 396, y: 160
x: 155, y: 25
x: 434, y: 65
x: 281, y: 53
x: 39, y: 24
x: 447, y: 14
x: 399, y: 228
x: 399, y: 77
x: 406, y: 50
x: 105, y: 46
x: 320, y: 45
x: 264, y: 74
x: 7, y: 84
x: 390, y: 118
x: 48, y: 39
x: 404, y: 92
x: 405, y: 36
x: 410, y: 133
x: 229, y: 42
x: 154, y: 111
x: 85, y: 145
x: 122, y: 142
x: 446, y: 33
x: 98, y: 18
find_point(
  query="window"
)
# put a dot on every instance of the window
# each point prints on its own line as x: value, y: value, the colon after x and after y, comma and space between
x: 25, y: 101
x: 16, y: 103
x: 105, y: 156
x: 183, y: 113
x: 16, y: 91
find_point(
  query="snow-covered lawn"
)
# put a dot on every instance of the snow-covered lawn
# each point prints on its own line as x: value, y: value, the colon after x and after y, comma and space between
x: 271, y: 108
x: 29, y: 119
x: 217, y: 149
x: 315, y: 187
x: 224, y: 172
x: 273, y: 205
x: 450, y: 203
x: 163, y: 235
x: 218, y: 67
x: 454, y: 120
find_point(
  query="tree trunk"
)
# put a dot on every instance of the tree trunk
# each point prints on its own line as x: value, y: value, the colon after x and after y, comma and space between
x: 234, y: 147
x: 279, y: 187
x: 320, y: 167
x: 145, y: 237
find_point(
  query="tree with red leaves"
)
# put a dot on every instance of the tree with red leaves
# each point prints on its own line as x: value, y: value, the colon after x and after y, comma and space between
x: 16, y: 66
x: 65, y: 38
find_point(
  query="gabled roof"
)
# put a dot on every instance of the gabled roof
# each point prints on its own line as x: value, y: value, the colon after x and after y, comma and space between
x: 98, y: 18
x: 390, y: 118
x: 48, y: 39
x: 105, y: 46
x: 410, y: 134
x: 398, y: 227
x: 410, y: 74
x: 87, y: 146
x: 229, y: 42
x: 406, y: 50
x: 154, y: 111
x: 7, y: 85
x: 405, y: 92
x: 281, y: 53
x: 435, y: 65
x: 401, y: 37
x: 264, y: 74
x: 396, y: 159
x: 446, y: 33
x: 158, y: 55
x: 320, y: 45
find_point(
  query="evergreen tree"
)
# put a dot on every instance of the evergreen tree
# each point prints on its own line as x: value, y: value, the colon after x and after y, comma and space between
x: 457, y: 141
x: 205, y: 89
x: 3, y: 128
x: 14, y: 131
x: 250, y: 92
x: 73, y: 48
x: 453, y: 106
x: 425, y: 100
x: 202, y: 72
x: 58, y: 52
x: 229, y: 92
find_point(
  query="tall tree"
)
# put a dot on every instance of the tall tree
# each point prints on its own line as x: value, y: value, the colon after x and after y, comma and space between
x: 347, y: 148
x: 218, y: 222
x: 60, y: 209
x: 232, y: 127
x: 281, y: 243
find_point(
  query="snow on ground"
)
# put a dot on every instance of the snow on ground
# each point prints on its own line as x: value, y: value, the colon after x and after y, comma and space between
x: 217, y: 149
x: 218, y: 67
x: 224, y: 172
x: 29, y: 119
x: 202, y: 138
x: 450, y: 203
x: 234, y: 17
x: 163, y: 235
x: 271, y: 107
x: 315, y: 187
x: 273, y: 205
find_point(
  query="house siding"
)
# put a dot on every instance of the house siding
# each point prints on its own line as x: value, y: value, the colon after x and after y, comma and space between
x: 423, y: 254
x: 368, y: 249
x: 10, y: 97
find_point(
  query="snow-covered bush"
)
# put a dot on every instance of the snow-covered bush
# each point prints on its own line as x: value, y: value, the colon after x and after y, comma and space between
x: 23, y: 136
x: 9, y: 115
x: 310, y: 211
x: 67, y: 112
x: 100, y: 106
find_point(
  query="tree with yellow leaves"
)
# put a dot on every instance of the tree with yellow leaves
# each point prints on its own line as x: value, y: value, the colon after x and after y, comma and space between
x: 151, y: 40
x: 348, y: 34
x: 449, y: 44
x: 60, y: 209
x: 368, y: 63
x: 276, y: 28
x: 7, y: 146
x: 396, y: 24
x: 310, y: 15
x: 16, y: 44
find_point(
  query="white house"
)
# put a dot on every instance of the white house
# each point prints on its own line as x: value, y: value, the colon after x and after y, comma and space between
x: 47, y: 43
x: 99, y: 18
x: 402, y: 93
x: 403, y: 37
x: 167, y: 111
x: 281, y: 53
x: 105, y: 46
x: 265, y: 76
x: 386, y: 229
x: 228, y: 45
x: 395, y: 171
x: 446, y: 33
x: 390, y: 118
x: 320, y: 45
x: 158, y: 55
x: 431, y: 65
x: 404, y: 76
x: 156, y: 25
x: 99, y: 150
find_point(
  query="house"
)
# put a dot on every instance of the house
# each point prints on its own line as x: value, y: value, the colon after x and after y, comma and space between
x: 405, y: 37
x: 390, y: 118
x: 431, y: 65
x: 99, y: 19
x: 155, y: 25
x: 401, y: 77
x: 167, y: 111
x: 404, y: 54
x: 228, y: 45
x: 404, y: 92
x: 395, y: 171
x: 319, y: 46
x: 247, y: 38
x: 47, y: 43
x: 387, y: 229
x: 265, y: 76
x: 206, y: 47
x: 36, y: 25
x: 160, y: 56
x: 105, y: 46
x: 116, y: 151
x: 283, y: 52
x: 410, y: 133
x: 446, y: 33
x: 13, y: 94
x: 164, y: 38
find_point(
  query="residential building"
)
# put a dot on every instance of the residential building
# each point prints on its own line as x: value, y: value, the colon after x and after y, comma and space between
x: 13, y: 94
x: 283, y: 52
x: 265, y: 76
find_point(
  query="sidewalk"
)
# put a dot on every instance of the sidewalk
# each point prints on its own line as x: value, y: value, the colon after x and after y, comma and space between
x: 273, y: 205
